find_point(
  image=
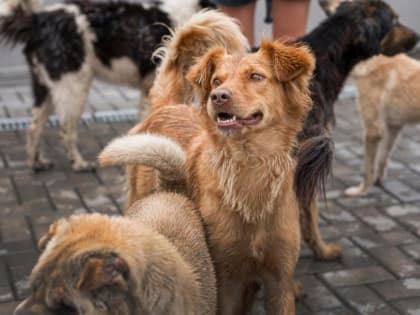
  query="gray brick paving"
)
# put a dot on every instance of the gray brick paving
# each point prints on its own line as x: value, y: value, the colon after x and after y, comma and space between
x: 379, y: 272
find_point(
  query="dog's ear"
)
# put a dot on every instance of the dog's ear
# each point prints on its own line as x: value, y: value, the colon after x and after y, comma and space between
x: 98, y: 271
x: 288, y: 61
x: 201, y: 73
x: 52, y: 231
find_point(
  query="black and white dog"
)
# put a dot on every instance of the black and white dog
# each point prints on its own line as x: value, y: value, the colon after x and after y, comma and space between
x: 68, y: 45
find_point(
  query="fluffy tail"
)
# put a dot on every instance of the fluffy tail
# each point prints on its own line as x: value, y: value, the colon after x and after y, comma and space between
x: 314, y: 164
x: 150, y: 150
x: 16, y: 20
x: 203, y: 31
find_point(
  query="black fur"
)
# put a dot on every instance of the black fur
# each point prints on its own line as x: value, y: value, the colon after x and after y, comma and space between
x: 126, y: 30
x: 56, y: 43
x: 16, y: 29
x: 354, y: 33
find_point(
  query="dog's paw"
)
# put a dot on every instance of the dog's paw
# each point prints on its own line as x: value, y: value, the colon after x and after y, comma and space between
x: 298, y: 290
x: 84, y: 167
x: 329, y: 252
x: 356, y: 191
x: 41, y: 165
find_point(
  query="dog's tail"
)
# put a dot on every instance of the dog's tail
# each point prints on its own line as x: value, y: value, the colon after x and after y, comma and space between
x: 150, y: 150
x: 16, y: 20
x: 314, y: 163
x: 203, y: 31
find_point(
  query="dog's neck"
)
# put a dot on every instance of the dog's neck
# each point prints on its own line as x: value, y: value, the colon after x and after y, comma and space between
x: 251, y: 174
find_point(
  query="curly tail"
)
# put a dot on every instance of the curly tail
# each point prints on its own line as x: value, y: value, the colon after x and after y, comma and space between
x: 154, y: 151
x: 314, y: 163
x: 203, y: 31
x: 16, y: 20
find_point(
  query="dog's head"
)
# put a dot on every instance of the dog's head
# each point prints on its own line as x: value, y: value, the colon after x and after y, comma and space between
x: 379, y: 28
x: 80, y: 271
x: 246, y: 93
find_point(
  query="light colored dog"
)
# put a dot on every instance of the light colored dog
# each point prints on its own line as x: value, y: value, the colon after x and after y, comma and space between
x: 239, y: 166
x: 388, y: 98
x: 154, y: 261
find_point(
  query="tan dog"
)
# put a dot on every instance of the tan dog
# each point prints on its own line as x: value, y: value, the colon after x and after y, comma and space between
x: 389, y: 98
x: 155, y: 261
x: 239, y: 165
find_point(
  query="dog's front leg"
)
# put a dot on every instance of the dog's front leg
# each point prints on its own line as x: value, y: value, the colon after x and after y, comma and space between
x: 231, y: 296
x: 279, y: 293
x: 312, y: 235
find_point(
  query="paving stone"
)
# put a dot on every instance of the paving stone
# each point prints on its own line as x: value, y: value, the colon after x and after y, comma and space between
x: 399, y: 289
x: 400, y: 237
x: 362, y: 275
x: 318, y: 297
x: 413, y: 250
x: 396, y: 261
x: 410, y: 306
x: 365, y: 301
x: 377, y: 220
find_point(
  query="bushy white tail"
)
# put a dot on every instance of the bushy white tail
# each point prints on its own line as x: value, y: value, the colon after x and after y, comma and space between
x: 150, y: 150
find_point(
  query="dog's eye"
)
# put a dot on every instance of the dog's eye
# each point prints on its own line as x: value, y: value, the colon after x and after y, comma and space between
x: 217, y: 82
x: 256, y: 77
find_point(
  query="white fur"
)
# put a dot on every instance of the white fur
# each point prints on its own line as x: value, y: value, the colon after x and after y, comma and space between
x: 122, y: 71
x: 147, y: 149
x: 8, y: 6
x: 180, y: 10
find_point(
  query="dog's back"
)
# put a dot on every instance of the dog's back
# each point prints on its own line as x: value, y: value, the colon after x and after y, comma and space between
x: 389, y: 87
x: 175, y: 217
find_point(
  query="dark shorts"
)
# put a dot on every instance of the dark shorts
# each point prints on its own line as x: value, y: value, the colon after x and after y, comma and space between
x: 232, y: 3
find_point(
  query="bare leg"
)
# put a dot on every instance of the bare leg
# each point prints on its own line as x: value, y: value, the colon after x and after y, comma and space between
x: 390, y: 136
x: 245, y: 15
x: 372, y: 140
x: 312, y: 235
x: 290, y: 18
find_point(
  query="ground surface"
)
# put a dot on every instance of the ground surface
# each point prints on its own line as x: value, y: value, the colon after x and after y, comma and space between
x: 378, y: 274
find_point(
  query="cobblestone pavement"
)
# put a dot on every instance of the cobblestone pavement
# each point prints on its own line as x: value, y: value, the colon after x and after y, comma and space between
x: 378, y: 274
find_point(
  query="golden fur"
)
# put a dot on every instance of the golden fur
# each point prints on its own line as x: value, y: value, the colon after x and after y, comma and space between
x: 389, y: 98
x: 155, y: 261
x: 241, y: 177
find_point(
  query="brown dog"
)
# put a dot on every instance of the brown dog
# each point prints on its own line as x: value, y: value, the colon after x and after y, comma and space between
x: 239, y: 165
x: 155, y: 261
x: 389, y: 98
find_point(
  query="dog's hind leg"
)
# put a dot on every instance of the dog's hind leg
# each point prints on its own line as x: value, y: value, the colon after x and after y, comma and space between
x: 371, y: 143
x: 312, y: 235
x: 41, y: 110
x: 385, y: 148
x: 69, y: 97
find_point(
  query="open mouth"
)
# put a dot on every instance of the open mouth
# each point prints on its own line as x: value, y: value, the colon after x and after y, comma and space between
x: 228, y: 120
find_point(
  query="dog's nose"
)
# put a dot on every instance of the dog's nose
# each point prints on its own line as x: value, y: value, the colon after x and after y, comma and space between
x: 220, y: 97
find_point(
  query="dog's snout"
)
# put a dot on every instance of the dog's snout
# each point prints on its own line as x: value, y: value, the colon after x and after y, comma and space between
x: 220, y: 97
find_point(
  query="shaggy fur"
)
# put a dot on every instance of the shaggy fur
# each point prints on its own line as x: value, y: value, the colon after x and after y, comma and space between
x: 68, y: 45
x: 388, y: 98
x: 155, y: 261
x: 241, y: 180
x: 355, y: 32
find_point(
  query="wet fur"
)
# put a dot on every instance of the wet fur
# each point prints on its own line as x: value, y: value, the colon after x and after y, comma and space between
x: 388, y: 98
x: 355, y: 32
x: 243, y: 182
x: 155, y: 261
x: 68, y: 45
